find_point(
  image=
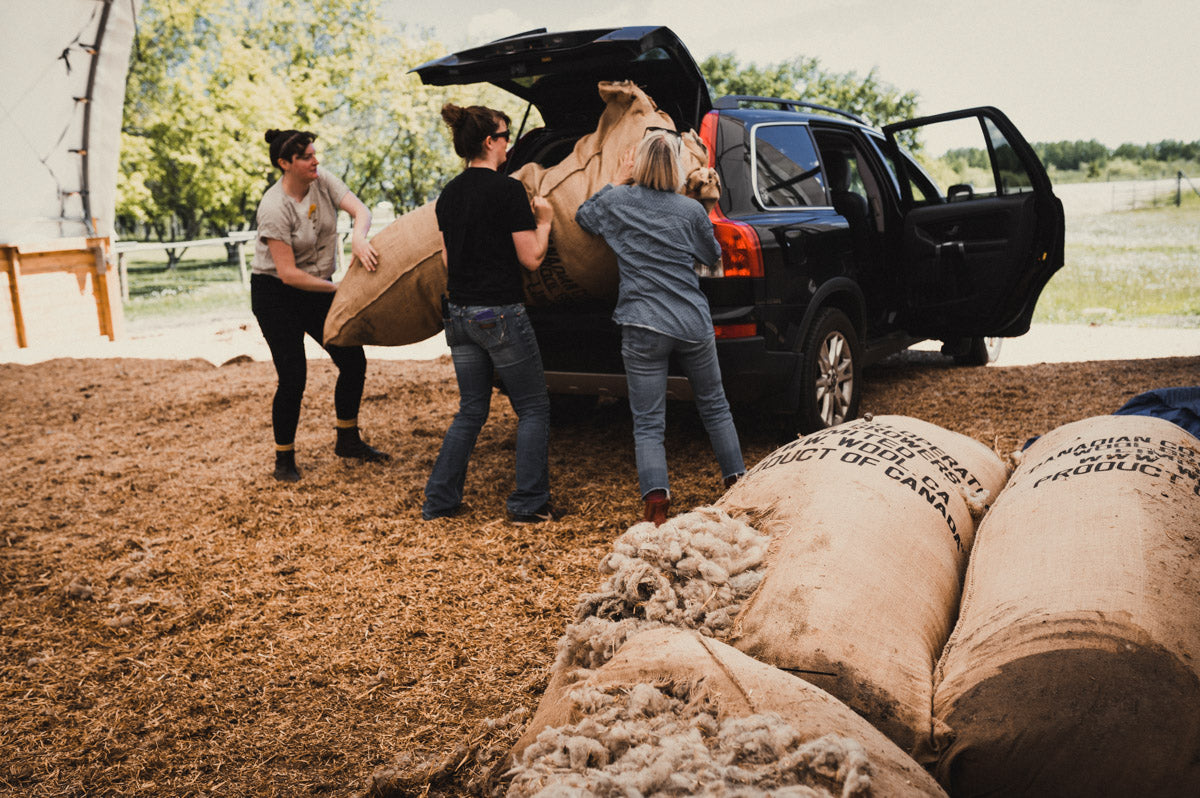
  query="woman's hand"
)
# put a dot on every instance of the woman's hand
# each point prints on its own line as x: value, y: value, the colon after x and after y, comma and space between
x: 543, y: 212
x: 365, y: 253
x: 625, y: 172
x: 359, y: 245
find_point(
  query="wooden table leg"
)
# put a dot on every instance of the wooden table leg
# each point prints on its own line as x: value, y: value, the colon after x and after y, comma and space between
x: 12, y: 265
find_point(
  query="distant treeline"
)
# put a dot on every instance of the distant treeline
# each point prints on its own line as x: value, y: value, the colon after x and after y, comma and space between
x: 1092, y: 157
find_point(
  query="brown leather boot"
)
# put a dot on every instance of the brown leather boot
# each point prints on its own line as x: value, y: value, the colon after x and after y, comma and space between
x: 730, y: 480
x: 657, y: 507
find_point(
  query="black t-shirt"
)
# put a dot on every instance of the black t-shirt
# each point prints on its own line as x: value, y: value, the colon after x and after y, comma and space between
x: 478, y: 212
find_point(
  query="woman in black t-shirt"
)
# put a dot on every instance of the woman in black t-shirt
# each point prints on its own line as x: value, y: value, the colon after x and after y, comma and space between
x: 490, y: 232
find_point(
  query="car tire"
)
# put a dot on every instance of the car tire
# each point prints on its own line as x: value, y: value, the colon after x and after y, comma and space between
x: 978, y: 351
x: 830, y: 373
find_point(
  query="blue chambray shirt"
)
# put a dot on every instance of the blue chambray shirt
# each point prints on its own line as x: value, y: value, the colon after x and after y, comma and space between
x: 657, y: 236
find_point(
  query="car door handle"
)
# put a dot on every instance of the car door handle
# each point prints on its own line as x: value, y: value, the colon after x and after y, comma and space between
x: 951, y: 248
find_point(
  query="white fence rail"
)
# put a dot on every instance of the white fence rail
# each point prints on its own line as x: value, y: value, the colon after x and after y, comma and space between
x: 238, y: 238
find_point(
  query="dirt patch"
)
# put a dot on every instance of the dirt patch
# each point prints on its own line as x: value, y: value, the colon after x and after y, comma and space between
x: 176, y: 623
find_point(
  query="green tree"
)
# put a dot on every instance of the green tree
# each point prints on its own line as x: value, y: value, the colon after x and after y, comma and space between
x: 209, y: 77
x: 803, y: 78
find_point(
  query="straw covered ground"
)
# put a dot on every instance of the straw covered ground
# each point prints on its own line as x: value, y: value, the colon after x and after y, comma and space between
x: 177, y: 623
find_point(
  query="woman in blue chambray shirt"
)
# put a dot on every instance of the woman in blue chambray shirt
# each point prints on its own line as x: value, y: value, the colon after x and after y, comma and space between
x: 657, y: 235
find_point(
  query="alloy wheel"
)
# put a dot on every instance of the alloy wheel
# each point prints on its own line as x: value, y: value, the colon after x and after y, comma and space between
x: 835, y: 378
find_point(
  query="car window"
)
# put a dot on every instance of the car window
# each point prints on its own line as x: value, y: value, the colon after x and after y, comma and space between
x: 1014, y: 179
x: 923, y: 187
x: 978, y: 160
x: 786, y: 169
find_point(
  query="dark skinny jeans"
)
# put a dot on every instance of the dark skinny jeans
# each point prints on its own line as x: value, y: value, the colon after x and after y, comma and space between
x: 285, y: 314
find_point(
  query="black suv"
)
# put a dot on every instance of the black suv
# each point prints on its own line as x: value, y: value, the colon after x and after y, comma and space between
x: 839, y: 248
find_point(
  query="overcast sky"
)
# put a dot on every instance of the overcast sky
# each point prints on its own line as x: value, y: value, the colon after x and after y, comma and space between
x: 1112, y: 70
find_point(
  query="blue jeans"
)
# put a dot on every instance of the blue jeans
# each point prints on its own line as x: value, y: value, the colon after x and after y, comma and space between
x: 646, y: 353
x: 483, y: 339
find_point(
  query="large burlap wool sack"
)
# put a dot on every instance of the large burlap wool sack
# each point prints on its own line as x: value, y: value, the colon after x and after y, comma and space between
x: 400, y: 302
x: 871, y: 524
x: 578, y: 264
x: 677, y: 713
x: 1073, y: 669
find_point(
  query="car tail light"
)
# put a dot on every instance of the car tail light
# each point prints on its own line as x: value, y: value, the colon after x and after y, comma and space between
x: 735, y: 330
x: 708, y: 134
x: 741, y: 252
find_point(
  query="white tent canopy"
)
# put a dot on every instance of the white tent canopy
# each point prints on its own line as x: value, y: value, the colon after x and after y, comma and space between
x: 63, y: 65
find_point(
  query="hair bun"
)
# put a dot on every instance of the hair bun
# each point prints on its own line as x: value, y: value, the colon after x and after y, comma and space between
x: 452, y: 114
x: 271, y: 135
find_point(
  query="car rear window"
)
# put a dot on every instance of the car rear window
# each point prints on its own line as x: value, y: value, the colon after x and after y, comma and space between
x: 787, y: 172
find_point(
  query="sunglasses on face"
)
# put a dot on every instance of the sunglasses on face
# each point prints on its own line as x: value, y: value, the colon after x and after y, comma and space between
x: 503, y: 134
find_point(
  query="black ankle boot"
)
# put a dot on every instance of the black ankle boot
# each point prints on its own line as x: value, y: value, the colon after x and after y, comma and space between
x: 285, y: 466
x: 349, y: 444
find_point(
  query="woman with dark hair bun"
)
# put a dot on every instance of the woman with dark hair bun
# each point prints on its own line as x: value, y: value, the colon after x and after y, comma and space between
x: 490, y: 233
x: 291, y: 291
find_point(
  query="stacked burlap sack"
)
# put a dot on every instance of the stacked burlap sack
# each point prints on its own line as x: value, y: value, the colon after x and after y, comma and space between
x: 400, y: 302
x: 676, y: 713
x: 1074, y: 668
x: 837, y: 559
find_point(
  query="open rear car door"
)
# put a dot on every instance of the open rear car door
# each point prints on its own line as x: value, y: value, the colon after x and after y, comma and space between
x: 975, y: 259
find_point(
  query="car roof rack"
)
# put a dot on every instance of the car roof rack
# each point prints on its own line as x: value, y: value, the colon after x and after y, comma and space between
x: 732, y: 101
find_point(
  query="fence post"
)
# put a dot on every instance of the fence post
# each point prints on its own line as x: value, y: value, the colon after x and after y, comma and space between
x: 241, y: 248
x: 1178, y: 188
x: 123, y: 276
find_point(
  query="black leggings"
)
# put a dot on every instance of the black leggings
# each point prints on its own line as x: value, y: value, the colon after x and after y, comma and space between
x: 285, y: 314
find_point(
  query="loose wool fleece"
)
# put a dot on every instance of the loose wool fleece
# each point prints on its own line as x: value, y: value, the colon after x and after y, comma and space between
x: 649, y: 740
x: 693, y: 572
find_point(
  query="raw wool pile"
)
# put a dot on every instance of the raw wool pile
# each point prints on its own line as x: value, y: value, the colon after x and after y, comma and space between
x: 669, y: 740
x: 693, y: 572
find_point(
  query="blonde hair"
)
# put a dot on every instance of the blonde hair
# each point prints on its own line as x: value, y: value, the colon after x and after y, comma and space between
x: 656, y: 164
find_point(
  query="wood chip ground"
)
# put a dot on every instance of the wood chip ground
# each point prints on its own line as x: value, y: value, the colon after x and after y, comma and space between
x: 176, y: 623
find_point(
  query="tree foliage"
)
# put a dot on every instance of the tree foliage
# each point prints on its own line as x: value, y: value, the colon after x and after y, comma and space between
x: 209, y: 77
x: 1091, y: 160
x: 803, y: 78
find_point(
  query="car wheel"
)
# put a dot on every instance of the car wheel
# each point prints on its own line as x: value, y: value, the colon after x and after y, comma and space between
x: 978, y: 351
x: 830, y: 386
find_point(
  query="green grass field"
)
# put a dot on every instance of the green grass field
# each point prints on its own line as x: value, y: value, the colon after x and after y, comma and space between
x: 1132, y: 267
x: 1137, y: 267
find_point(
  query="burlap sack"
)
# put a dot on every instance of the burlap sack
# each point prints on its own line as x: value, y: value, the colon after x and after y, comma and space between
x: 737, y: 687
x: 871, y: 524
x: 1073, y: 669
x: 578, y: 264
x: 399, y: 303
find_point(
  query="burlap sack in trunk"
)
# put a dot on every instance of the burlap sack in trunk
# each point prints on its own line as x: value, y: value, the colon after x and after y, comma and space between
x: 1073, y: 669
x: 578, y: 264
x: 400, y: 302
x: 871, y: 524
x: 709, y: 674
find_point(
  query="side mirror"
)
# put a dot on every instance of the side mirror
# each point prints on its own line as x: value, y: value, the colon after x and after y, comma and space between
x: 960, y: 191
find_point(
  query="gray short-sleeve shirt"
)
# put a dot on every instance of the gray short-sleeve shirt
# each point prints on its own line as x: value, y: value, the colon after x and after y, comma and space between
x: 309, y: 227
